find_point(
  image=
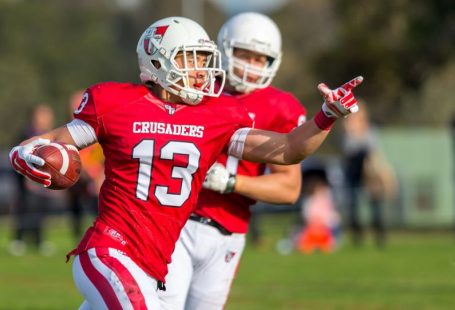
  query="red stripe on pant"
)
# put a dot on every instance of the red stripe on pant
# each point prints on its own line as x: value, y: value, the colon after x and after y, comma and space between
x: 101, y: 284
x: 127, y: 280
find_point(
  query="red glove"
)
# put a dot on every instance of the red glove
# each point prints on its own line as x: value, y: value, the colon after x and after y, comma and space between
x: 341, y: 101
x: 24, y: 162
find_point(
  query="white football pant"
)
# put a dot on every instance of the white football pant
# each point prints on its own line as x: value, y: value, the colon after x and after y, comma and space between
x: 108, y: 279
x: 204, y: 264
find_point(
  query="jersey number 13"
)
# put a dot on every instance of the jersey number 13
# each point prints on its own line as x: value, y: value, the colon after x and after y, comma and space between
x: 144, y: 153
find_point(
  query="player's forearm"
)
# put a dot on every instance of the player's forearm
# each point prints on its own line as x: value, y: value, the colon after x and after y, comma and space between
x: 283, y: 149
x: 272, y: 188
x: 60, y: 134
x: 304, y: 141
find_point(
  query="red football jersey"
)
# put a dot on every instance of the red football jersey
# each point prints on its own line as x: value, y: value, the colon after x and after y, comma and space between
x: 156, y: 157
x: 271, y: 109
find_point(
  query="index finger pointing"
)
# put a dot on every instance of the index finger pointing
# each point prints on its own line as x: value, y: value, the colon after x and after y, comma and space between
x: 352, y: 83
x: 324, y: 89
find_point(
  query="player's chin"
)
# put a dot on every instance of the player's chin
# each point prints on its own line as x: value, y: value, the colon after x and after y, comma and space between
x: 252, y: 78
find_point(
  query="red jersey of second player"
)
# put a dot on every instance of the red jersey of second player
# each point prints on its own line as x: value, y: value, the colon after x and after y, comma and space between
x: 271, y: 109
x: 156, y: 157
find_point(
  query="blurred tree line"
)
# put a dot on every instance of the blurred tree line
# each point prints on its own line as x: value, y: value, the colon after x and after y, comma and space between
x: 404, y: 49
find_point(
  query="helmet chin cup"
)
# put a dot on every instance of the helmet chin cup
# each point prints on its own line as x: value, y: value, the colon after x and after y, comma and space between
x: 241, y: 88
x: 190, y: 98
x: 242, y: 84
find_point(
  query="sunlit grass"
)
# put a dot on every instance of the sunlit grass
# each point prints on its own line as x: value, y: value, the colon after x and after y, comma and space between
x: 414, y: 271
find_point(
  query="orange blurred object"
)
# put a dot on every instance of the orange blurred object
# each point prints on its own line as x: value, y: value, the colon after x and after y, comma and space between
x: 316, y: 237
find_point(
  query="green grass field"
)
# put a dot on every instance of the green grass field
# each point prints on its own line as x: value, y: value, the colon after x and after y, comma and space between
x: 415, y: 271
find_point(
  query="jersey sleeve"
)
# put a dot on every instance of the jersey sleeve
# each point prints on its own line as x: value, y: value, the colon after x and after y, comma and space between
x: 290, y: 115
x: 245, y: 119
x: 87, y: 111
x: 233, y: 110
x: 235, y: 115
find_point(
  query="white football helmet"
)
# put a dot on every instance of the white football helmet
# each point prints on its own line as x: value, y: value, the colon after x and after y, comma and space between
x: 255, y: 32
x: 158, y: 47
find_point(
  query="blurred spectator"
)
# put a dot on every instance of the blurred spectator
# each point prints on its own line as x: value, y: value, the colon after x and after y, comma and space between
x: 367, y: 172
x: 452, y: 129
x: 254, y: 228
x: 319, y: 211
x: 318, y: 228
x: 83, y: 196
x: 32, y: 200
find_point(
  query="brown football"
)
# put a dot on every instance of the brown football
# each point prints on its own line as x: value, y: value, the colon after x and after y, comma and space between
x: 63, y: 163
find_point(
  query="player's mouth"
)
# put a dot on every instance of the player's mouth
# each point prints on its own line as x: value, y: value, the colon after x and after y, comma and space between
x: 198, y: 85
x: 252, y: 79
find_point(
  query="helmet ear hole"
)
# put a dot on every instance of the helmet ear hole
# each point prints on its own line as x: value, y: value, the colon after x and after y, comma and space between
x: 270, y: 60
x: 156, y: 64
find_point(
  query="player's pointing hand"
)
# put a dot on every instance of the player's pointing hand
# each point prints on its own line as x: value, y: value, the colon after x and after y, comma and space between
x: 340, y: 102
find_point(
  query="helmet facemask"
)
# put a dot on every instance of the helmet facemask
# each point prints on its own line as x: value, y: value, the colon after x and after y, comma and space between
x: 178, y: 77
x: 241, y: 83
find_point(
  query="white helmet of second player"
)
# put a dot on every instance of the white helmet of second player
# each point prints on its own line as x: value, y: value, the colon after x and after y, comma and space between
x: 160, y: 44
x: 255, y: 32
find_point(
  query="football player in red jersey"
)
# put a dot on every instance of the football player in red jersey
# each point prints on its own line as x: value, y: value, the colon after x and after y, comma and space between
x: 210, y: 245
x: 159, y: 139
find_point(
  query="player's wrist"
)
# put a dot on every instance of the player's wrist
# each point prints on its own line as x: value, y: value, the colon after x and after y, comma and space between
x: 323, y: 121
x: 230, y: 185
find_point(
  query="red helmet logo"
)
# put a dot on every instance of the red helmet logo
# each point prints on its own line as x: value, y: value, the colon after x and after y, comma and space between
x: 160, y: 31
x: 157, y: 34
